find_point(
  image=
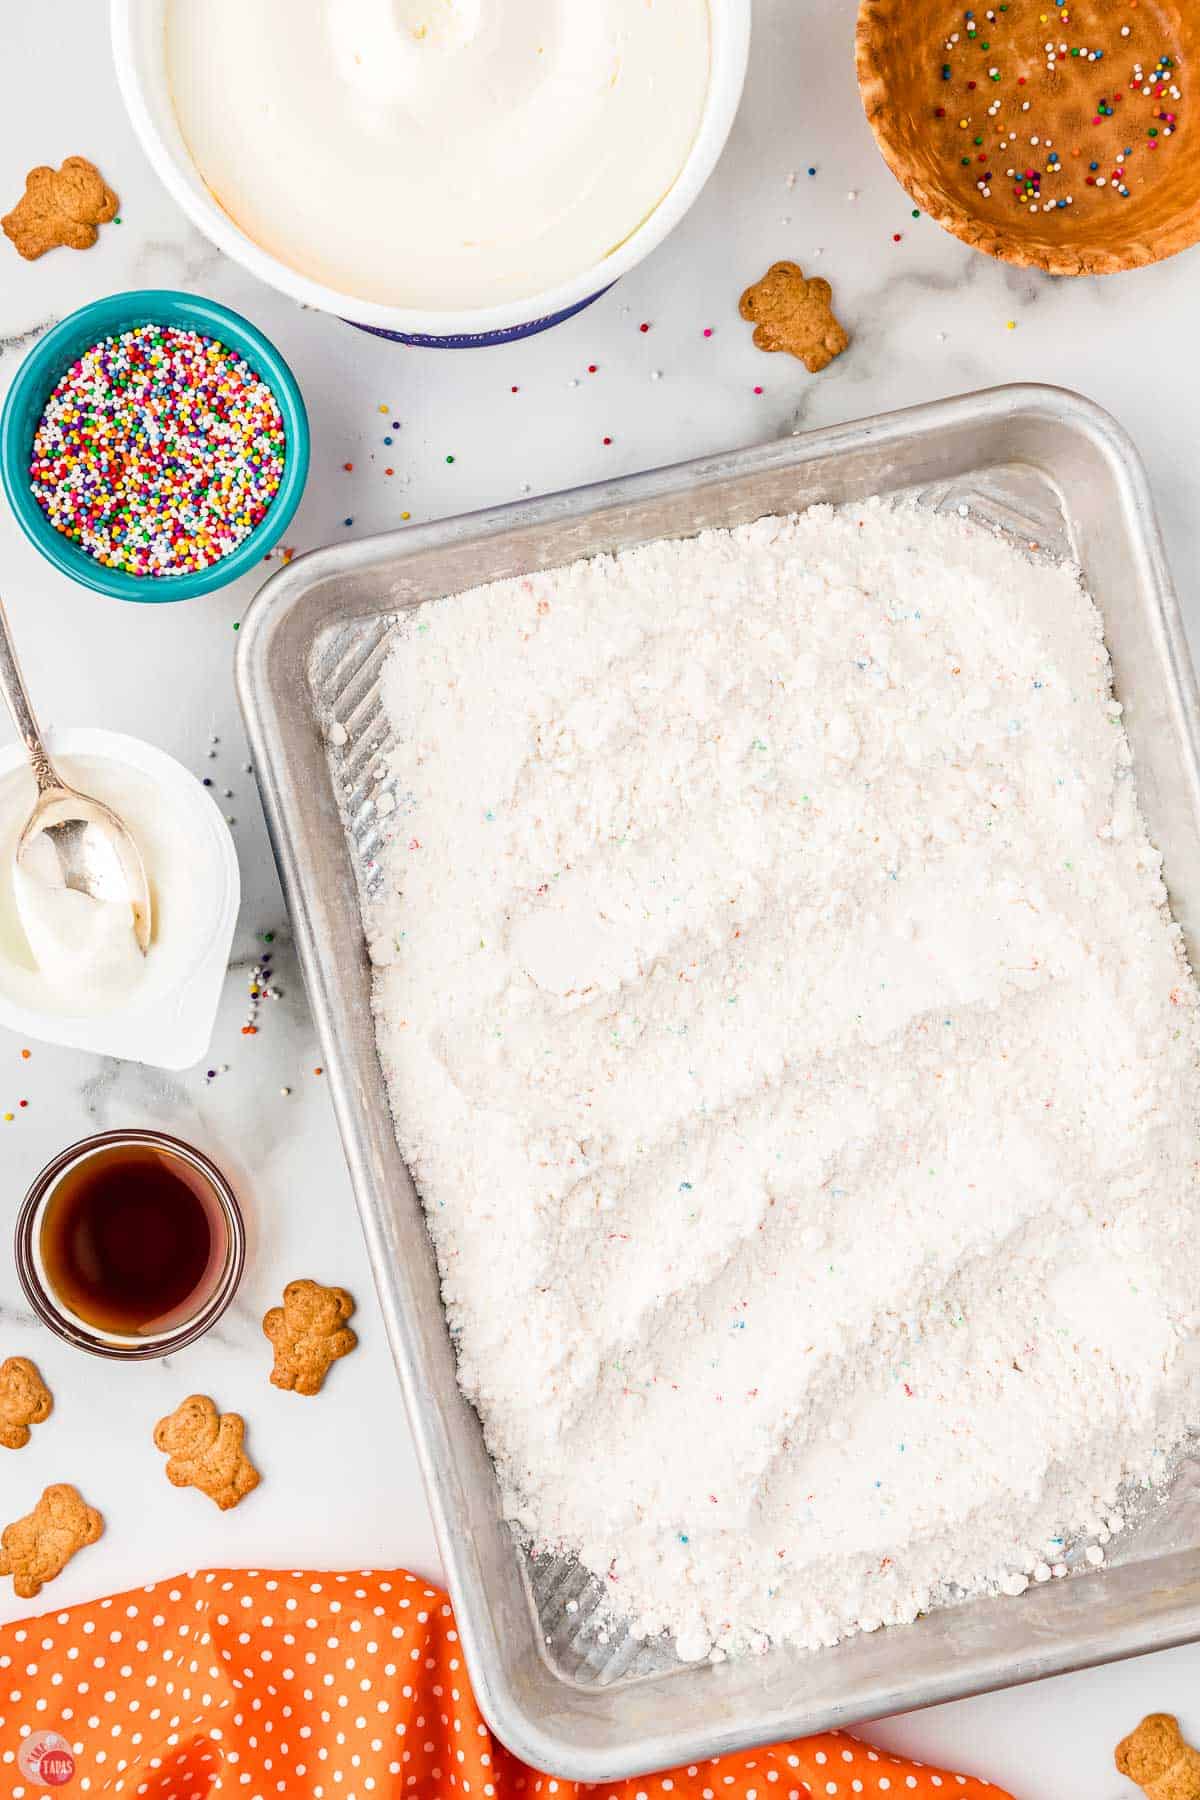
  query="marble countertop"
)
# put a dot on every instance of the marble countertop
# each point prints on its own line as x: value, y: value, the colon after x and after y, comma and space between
x: 928, y: 318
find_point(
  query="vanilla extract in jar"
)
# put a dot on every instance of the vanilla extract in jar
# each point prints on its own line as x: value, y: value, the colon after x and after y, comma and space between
x: 130, y: 1244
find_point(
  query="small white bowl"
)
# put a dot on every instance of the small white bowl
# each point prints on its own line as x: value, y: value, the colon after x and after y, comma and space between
x: 169, y: 1022
x: 139, y: 51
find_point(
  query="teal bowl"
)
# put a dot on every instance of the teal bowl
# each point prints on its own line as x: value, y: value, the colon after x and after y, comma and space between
x: 39, y: 374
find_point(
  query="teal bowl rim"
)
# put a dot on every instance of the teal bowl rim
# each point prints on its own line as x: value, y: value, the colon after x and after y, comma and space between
x: 35, y: 380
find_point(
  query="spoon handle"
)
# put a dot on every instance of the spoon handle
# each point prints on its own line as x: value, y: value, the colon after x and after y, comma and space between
x: 12, y: 685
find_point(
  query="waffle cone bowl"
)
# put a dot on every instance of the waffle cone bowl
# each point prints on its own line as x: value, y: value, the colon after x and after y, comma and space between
x: 1058, y: 137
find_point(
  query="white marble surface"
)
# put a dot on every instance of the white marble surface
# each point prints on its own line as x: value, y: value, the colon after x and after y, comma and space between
x: 928, y: 318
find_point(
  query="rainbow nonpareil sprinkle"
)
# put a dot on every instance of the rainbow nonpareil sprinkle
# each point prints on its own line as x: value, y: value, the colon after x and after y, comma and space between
x: 158, y: 452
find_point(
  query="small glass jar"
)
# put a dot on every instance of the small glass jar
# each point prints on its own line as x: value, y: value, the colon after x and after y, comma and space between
x: 143, y: 1241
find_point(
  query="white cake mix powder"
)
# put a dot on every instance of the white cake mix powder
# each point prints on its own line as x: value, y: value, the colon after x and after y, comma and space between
x: 796, y: 1057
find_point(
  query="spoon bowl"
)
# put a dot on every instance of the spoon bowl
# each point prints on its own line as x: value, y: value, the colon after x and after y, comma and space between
x: 72, y: 841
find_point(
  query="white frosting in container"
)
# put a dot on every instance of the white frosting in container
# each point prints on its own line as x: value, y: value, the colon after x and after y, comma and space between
x: 85, y: 947
x: 441, y: 153
x: 72, y: 974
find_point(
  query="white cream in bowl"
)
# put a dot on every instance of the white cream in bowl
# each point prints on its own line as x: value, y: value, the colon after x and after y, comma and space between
x: 84, y: 983
x: 440, y: 154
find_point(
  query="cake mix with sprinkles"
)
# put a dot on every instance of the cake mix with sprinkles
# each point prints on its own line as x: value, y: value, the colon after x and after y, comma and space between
x: 797, y: 1061
x: 158, y: 452
x: 1052, y: 107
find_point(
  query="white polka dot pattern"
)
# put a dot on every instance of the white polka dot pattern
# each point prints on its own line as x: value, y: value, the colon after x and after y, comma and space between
x: 254, y: 1684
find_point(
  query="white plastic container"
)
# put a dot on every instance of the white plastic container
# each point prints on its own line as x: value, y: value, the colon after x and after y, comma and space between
x: 139, y: 52
x: 195, y: 885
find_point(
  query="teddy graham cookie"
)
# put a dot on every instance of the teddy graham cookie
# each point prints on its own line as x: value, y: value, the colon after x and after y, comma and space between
x: 35, y: 1549
x: 790, y: 311
x: 310, y: 1333
x: 60, y: 206
x: 1159, y: 1759
x: 25, y: 1400
x: 204, y: 1450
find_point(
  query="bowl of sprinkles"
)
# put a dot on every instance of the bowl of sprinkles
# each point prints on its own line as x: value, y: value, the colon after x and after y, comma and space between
x: 154, y: 445
x: 1054, y: 134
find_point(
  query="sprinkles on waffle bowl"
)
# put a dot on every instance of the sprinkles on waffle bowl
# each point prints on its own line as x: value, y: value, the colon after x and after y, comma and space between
x: 154, y: 446
x: 1054, y: 134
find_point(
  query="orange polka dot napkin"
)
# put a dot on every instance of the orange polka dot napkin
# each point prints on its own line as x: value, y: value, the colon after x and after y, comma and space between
x: 256, y: 1683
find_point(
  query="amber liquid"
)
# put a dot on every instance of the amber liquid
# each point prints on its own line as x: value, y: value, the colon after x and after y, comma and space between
x: 133, y: 1240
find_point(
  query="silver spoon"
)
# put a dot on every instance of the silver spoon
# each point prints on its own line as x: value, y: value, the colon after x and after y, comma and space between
x: 71, y: 840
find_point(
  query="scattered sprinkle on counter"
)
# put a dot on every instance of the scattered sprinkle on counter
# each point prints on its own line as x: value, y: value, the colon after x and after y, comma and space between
x: 158, y: 452
x: 261, y: 987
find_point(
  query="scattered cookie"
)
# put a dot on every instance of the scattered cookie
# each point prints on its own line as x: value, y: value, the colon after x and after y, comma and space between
x: 60, y: 206
x: 204, y: 1450
x: 309, y: 1333
x: 35, y: 1549
x: 25, y: 1400
x: 1158, y: 1758
x: 790, y: 312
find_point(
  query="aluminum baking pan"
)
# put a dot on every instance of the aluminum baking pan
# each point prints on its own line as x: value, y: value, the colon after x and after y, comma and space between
x: 1036, y: 461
